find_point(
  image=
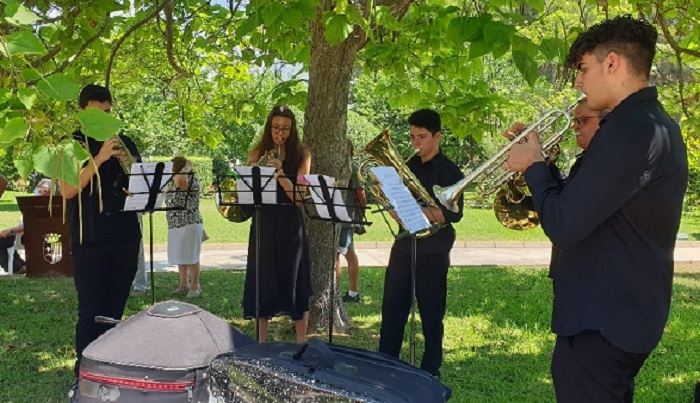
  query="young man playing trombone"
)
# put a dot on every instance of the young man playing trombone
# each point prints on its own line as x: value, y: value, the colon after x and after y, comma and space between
x: 615, y: 221
x: 431, y: 167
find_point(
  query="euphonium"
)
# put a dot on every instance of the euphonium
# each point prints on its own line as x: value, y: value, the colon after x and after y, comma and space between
x: 227, y: 197
x: 510, y: 187
x: 382, y: 152
x: 126, y: 160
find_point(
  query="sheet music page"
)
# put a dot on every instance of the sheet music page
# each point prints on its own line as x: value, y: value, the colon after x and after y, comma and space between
x: 142, y: 175
x: 244, y: 185
x: 400, y: 197
x: 339, y: 207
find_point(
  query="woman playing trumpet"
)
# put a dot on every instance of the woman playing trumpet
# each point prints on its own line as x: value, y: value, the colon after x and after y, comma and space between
x: 284, y: 267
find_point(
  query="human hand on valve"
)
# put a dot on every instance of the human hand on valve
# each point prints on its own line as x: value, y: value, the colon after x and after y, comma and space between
x: 525, y: 153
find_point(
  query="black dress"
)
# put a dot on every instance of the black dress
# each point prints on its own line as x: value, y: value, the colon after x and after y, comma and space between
x: 285, y: 269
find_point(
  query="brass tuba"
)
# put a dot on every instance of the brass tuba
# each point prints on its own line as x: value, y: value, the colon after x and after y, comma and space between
x: 511, y: 200
x: 227, y: 195
x: 382, y: 152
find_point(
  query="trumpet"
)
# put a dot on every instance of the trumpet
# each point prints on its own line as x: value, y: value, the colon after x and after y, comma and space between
x: 510, y: 186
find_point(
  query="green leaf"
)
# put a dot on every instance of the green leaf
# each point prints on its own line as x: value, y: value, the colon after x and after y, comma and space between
x: 337, y: 29
x: 464, y: 29
x: 271, y: 13
x: 478, y: 48
x: 5, y: 95
x: 292, y: 18
x: 109, y: 6
x: 248, y: 25
x: 24, y: 162
x: 550, y: 48
x: 59, y: 86
x: 538, y: 5
x: 24, y: 43
x: 30, y: 75
x: 18, y: 14
x: 98, y: 124
x: 27, y: 96
x: 527, y: 66
x: 498, y: 32
x: 15, y: 129
x: 525, y: 46
x: 62, y: 161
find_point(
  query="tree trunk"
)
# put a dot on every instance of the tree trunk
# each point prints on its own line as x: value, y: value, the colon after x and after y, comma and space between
x: 325, y: 135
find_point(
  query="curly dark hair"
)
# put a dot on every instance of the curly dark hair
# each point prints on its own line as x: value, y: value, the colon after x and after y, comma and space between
x: 294, y: 152
x: 634, y: 39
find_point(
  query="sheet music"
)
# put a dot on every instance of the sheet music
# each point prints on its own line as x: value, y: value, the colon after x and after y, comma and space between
x: 339, y: 207
x: 400, y: 197
x: 142, y: 175
x: 244, y: 184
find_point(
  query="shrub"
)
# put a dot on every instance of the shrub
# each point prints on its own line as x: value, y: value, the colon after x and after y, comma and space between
x: 202, y: 166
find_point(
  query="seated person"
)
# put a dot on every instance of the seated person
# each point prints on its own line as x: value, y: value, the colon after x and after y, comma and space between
x: 7, y: 236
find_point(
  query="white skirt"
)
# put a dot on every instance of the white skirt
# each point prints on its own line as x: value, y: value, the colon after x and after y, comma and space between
x: 185, y: 243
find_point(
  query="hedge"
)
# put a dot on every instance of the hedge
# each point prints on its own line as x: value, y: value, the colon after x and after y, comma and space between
x: 202, y: 167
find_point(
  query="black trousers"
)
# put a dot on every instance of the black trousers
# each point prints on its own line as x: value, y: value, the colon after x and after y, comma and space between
x: 586, y: 368
x: 431, y: 294
x: 103, y: 272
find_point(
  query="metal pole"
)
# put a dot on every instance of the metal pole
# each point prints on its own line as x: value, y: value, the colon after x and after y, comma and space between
x: 413, y: 298
x: 150, y: 229
x: 257, y: 273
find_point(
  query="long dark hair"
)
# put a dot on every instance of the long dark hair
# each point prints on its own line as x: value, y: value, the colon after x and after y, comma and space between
x: 294, y: 152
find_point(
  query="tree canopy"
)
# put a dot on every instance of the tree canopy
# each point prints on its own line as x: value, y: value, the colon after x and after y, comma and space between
x: 198, y: 76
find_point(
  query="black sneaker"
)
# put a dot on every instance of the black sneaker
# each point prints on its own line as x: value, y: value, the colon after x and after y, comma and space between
x: 348, y: 298
x: 73, y: 392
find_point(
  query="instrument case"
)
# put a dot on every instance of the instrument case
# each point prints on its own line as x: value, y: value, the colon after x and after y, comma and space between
x: 286, y: 372
x: 158, y: 355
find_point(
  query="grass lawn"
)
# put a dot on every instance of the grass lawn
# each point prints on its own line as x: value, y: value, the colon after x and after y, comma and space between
x: 497, y: 339
x: 477, y: 225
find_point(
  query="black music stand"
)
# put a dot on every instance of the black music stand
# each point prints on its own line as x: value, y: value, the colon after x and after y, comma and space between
x: 255, y: 189
x: 331, y: 206
x: 145, y: 194
x: 405, y: 206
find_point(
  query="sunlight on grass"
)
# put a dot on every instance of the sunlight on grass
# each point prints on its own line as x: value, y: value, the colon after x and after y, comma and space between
x: 497, y: 345
x: 55, y: 361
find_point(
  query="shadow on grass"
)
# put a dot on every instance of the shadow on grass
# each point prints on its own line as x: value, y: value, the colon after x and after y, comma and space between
x: 497, y: 338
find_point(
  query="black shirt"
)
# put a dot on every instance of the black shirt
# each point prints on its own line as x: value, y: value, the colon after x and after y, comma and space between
x: 442, y: 172
x: 615, y: 223
x: 110, y: 224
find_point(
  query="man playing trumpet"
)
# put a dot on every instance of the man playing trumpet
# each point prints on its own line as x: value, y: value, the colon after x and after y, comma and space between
x: 615, y: 221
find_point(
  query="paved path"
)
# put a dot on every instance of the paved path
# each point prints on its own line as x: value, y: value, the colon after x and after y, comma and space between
x: 376, y: 254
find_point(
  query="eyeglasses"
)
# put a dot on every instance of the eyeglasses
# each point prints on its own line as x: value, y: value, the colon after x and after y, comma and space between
x: 581, y: 120
x: 281, y: 129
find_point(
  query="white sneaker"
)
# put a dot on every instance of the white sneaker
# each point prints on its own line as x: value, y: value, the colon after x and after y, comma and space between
x: 195, y: 292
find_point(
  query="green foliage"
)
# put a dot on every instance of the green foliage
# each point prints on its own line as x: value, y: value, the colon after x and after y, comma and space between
x: 202, y: 167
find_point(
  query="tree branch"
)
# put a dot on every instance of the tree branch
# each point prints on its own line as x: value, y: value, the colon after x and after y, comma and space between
x: 667, y: 34
x: 121, y: 40
x: 169, y: 39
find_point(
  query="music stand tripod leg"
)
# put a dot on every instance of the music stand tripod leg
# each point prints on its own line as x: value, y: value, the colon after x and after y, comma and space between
x: 256, y: 217
x: 150, y: 230
x: 331, y: 292
x: 413, y: 298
